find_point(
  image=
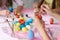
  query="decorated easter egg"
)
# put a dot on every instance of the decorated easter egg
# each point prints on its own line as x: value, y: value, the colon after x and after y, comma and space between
x: 21, y: 21
x: 51, y: 21
x: 30, y: 20
x: 24, y: 29
x: 26, y: 23
x: 39, y: 16
x: 16, y: 28
x: 30, y: 34
x: 21, y: 18
x: 18, y: 24
x: 22, y: 26
x: 10, y: 9
x: 15, y: 22
x: 28, y: 26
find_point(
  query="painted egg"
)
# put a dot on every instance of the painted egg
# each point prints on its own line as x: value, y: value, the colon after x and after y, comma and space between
x: 39, y: 16
x: 28, y: 26
x: 30, y: 34
x: 21, y: 18
x: 16, y: 28
x: 24, y: 29
x: 30, y: 20
x: 15, y: 22
x: 51, y: 21
x: 26, y: 23
x: 22, y: 26
x: 21, y: 21
x: 10, y: 9
x: 18, y: 24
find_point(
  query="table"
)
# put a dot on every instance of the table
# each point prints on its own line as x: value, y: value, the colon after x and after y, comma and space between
x: 54, y: 28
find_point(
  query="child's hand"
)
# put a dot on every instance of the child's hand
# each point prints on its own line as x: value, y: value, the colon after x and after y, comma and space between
x: 39, y: 23
x: 45, y: 9
x: 4, y: 12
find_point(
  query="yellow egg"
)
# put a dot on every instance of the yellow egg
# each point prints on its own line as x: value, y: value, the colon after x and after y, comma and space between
x: 18, y: 24
x: 24, y: 29
x: 16, y: 28
x: 22, y: 18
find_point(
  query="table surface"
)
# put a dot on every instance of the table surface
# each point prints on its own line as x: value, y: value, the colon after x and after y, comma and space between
x: 55, y: 28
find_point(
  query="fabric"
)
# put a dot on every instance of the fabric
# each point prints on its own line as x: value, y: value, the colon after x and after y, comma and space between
x: 59, y: 36
x: 4, y: 36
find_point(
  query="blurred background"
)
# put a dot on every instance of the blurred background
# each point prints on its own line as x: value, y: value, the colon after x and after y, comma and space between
x: 29, y: 3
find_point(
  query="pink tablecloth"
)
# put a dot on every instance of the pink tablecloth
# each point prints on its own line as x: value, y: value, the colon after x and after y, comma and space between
x: 54, y: 28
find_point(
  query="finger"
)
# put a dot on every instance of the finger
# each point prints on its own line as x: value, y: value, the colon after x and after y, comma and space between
x: 45, y: 6
x: 44, y: 9
x: 42, y: 12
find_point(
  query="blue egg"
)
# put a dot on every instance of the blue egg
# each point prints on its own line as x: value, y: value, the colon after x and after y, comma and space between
x: 26, y: 23
x: 15, y: 22
x: 30, y: 34
x: 30, y: 20
x: 10, y: 9
x: 21, y: 26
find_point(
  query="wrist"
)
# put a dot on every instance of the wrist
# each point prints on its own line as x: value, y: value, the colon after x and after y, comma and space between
x: 41, y: 28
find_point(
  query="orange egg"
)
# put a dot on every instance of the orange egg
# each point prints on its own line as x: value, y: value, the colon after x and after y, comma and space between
x: 39, y: 16
x: 51, y: 21
x: 21, y: 21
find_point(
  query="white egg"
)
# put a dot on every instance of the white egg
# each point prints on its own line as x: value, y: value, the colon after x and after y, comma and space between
x: 28, y: 26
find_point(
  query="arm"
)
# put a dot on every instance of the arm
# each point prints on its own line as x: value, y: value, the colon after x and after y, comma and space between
x: 41, y: 28
x: 56, y: 10
x: 44, y: 34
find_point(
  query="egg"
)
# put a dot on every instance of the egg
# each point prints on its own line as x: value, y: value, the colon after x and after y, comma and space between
x: 22, y: 26
x: 21, y: 21
x: 30, y: 20
x: 51, y: 21
x: 10, y: 9
x: 24, y: 29
x: 18, y: 24
x: 16, y: 28
x: 28, y: 26
x: 39, y: 16
x: 21, y: 18
x: 26, y: 23
x: 15, y: 22
x: 30, y: 34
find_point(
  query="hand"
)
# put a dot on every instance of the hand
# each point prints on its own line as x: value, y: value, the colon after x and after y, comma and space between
x: 45, y: 9
x: 4, y: 12
x: 39, y: 23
